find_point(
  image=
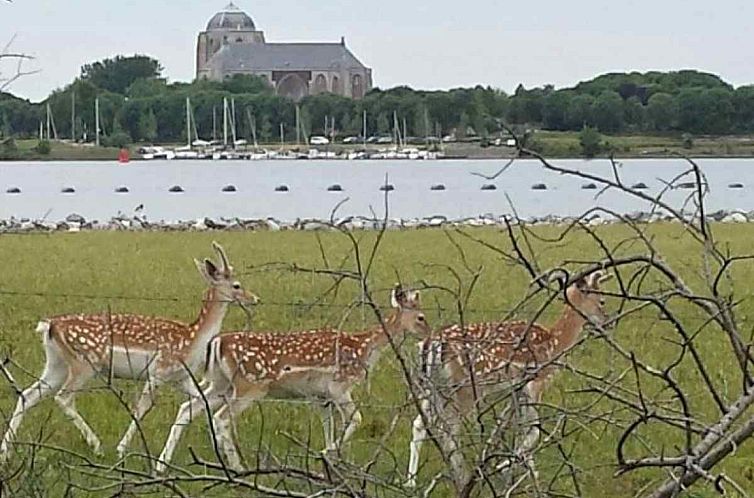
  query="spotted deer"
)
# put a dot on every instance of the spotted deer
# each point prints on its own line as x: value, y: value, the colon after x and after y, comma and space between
x: 500, y: 355
x: 126, y: 346
x: 322, y: 366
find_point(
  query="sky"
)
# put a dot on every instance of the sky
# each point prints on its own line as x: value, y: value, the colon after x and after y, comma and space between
x: 435, y: 44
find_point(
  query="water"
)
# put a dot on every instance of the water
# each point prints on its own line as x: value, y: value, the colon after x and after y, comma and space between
x: 148, y: 183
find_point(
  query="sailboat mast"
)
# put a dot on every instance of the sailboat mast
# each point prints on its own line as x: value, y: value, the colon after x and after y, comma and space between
x: 96, y: 121
x: 282, y: 137
x: 214, y: 123
x: 225, y: 121
x: 365, y: 129
x: 188, y: 121
x: 73, y: 116
x: 233, y: 119
x: 48, y: 121
x: 298, y: 125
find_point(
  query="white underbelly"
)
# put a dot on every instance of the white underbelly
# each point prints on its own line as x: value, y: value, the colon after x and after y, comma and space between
x: 131, y: 363
x: 311, y: 384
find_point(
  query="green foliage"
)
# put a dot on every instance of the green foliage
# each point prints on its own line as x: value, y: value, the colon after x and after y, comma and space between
x: 591, y: 142
x: 688, y: 141
x: 661, y: 112
x: 118, y: 139
x: 43, y: 148
x: 147, y: 126
x: 8, y: 149
x: 135, y: 99
x: 117, y: 74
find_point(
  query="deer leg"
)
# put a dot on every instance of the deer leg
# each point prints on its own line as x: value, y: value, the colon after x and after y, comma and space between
x: 530, y: 417
x: 419, y: 434
x: 198, y: 402
x: 223, y: 421
x: 452, y: 447
x: 328, y: 426
x: 351, y: 417
x: 52, y: 379
x: 143, y: 405
x: 66, y: 400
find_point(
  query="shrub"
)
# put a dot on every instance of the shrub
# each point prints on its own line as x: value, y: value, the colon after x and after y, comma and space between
x: 118, y: 139
x: 591, y: 142
x: 43, y: 148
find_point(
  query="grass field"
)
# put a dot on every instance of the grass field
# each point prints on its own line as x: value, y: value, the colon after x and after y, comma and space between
x: 153, y: 273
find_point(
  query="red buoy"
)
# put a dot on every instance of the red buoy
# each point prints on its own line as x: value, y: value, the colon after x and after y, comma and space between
x: 123, y: 156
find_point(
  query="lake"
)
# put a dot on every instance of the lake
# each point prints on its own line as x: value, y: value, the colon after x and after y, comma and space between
x: 148, y: 184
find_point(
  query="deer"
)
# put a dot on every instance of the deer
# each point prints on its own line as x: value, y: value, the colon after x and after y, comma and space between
x: 320, y: 366
x: 128, y: 346
x: 481, y: 360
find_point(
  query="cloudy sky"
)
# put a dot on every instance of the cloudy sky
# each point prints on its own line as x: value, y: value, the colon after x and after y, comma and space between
x: 429, y: 44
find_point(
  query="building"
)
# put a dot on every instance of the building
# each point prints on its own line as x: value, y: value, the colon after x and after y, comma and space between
x: 232, y: 44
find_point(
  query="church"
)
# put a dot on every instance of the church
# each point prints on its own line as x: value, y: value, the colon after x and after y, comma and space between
x: 232, y: 45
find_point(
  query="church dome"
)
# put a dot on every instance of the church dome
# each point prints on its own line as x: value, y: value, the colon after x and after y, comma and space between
x: 231, y: 18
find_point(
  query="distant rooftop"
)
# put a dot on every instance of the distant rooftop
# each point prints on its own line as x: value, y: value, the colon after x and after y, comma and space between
x: 231, y: 18
x: 286, y: 57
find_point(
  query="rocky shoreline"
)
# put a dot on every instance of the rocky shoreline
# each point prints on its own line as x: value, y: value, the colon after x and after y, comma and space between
x: 77, y: 223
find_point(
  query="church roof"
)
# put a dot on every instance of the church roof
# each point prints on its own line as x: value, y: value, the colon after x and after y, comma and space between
x: 231, y: 18
x: 240, y: 57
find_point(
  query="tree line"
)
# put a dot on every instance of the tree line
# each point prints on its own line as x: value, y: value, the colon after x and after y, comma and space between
x: 138, y: 105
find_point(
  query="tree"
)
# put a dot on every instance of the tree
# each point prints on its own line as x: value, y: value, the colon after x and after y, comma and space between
x: 555, y: 111
x: 634, y: 113
x: 591, y: 142
x: 661, y: 112
x: 247, y: 83
x: 117, y: 74
x: 608, y: 112
x: 147, y: 127
x: 580, y: 112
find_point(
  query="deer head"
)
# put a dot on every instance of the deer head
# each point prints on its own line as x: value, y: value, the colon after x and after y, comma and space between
x: 409, y: 317
x: 220, y: 279
x: 584, y: 296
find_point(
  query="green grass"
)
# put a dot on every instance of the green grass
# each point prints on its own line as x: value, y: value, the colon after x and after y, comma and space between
x: 122, y: 266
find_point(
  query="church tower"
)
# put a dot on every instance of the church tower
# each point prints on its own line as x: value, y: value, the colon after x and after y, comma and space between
x: 230, y: 25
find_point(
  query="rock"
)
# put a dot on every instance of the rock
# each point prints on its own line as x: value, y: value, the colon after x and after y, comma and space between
x: 489, y: 186
x: 176, y: 189
x: 639, y: 186
x: 589, y: 186
x: 387, y: 188
x: 335, y: 188
x: 687, y: 185
x: 437, y: 221
x: 539, y: 186
x: 281, y: 188
x: 75, y: 218
x: 121, y: 190
x: 736, y: 185
x: 437, y: 187
x: 735, y: 218
x: 230, y: 189
x: 13, y: 190
x: 68, y: 190
x: 273, y: 225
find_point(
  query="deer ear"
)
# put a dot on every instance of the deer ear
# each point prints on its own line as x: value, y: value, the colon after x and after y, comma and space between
x: 415, y: 298
x: 207, y: 269
x: 224, y: 264
x: 397, y: 297
x: 595, y: 279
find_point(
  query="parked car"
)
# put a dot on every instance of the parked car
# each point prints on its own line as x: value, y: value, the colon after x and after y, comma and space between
x: 317, y: 140
x: 385, y: 140
x: 352, y: 140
